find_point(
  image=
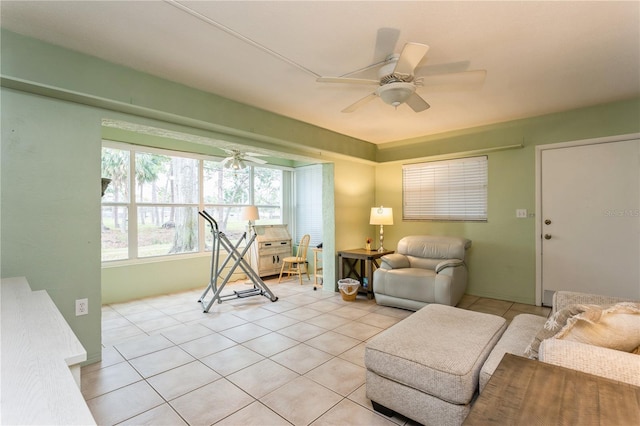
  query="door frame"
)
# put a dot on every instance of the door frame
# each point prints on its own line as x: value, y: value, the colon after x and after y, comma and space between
x: 538, y: 177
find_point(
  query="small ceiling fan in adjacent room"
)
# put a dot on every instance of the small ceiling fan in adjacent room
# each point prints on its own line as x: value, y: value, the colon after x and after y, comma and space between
x: 397, y: 82
x: 237, y: 159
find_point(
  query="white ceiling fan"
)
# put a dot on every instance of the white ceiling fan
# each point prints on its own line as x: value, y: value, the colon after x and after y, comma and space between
x: 236, y: 159
x: 397, y: 82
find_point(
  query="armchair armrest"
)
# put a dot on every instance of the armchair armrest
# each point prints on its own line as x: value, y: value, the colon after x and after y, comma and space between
x: 394, y: 261
x: 448, y: 263
x: 604, y: 362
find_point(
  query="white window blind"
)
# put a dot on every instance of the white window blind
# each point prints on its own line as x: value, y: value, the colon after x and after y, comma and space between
x: 453, y: 190
x: 309, y: 203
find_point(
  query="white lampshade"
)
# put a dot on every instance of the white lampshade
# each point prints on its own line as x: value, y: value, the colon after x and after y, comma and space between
x: 381, y: 216
x: 250, y: 213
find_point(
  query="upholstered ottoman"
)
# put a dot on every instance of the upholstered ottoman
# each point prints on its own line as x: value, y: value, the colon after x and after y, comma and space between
x: 426, y: 367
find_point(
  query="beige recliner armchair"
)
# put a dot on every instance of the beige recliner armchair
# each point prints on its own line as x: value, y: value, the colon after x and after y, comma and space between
x: 424, y: 269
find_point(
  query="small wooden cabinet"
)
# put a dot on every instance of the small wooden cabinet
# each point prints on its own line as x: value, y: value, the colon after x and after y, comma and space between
x: 272, y: 245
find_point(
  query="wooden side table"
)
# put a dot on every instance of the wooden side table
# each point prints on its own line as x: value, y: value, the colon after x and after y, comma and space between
x: 523, y: 391
x: 317, y: 267
x: 360, y: 263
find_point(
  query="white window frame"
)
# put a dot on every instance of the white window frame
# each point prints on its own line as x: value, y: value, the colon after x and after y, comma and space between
x: 446, y: 190
x: 132, y: 204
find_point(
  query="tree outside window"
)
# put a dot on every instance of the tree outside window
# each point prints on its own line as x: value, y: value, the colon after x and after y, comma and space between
x: 164, y: 196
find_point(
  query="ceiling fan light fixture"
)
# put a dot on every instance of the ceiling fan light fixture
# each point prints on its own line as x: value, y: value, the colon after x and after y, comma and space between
x: 235, y: 164
x: 397, y: 93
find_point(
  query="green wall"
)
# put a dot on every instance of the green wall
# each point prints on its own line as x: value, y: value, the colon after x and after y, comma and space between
x: 124, y: 283
x: 53, y: 101
x: 51, y: 204
x: 53, y: 104
x: 31, y: 65
x: 502, y: 257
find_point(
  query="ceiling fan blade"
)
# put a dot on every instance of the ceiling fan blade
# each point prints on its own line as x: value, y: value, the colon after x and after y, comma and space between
x: 443, y: 68
x: 226, y: 160
x: 254, y: 160
x: 386, y: 40
x: 359, y: 103
x: 346, y: 80
x: 464, y: 78
x: 417, y: 103
x: 412, y: 54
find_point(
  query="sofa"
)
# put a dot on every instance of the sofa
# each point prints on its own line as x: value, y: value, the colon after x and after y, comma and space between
x: 424, y: 269
x: 613, y: 364
x: 431, y: 366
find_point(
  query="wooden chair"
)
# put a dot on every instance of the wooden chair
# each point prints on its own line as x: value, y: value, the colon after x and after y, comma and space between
x: 294, y: 264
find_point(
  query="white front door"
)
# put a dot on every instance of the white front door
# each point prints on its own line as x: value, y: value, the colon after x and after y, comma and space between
x: 589, y: 219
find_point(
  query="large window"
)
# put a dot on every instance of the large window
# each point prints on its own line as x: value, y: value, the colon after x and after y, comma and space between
x: 151, y: 206
x: 454, y: 190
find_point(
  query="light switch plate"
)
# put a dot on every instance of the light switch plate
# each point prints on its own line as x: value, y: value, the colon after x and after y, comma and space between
x: 521, y: 213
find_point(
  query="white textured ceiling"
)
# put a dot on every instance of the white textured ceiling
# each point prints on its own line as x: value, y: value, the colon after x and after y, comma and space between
x: 540, y: 57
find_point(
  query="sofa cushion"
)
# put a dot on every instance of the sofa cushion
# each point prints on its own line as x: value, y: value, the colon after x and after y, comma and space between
x: 438, y: 350
x: 613, y: 326
x: 515, y: 341
x: 562, y: 299
x: 609, y: 363
x: 422, y: 262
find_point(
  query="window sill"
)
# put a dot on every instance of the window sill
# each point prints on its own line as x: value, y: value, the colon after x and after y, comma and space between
x: 155, y: 259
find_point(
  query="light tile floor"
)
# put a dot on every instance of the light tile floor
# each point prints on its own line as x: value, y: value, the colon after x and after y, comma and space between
x: 248, y: 361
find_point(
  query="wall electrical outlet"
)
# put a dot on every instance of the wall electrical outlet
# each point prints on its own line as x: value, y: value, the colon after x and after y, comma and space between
x: 521, y: 213
x: 82, y: 307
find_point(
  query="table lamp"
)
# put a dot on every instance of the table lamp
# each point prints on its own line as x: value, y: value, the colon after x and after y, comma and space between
x: 250, y: 213
x: 381, y: 216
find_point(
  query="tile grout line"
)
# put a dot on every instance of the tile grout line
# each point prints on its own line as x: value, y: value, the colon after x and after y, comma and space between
x: 302, y: 301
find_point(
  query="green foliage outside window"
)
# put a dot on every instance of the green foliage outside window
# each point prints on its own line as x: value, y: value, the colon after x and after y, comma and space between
x: 166, y: 190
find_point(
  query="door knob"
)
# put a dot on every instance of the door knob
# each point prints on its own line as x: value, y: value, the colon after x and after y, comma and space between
x: 547, y: 236
x: 547, y: 222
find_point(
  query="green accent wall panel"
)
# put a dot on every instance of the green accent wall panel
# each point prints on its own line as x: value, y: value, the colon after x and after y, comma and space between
x: 50, y: 214
x: 502, y: 258
x: 53, y: 101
